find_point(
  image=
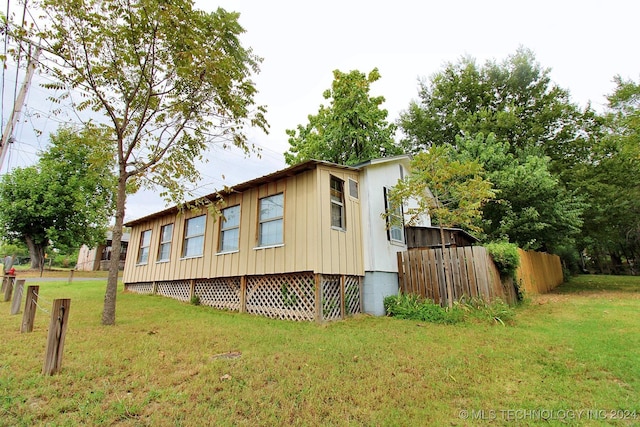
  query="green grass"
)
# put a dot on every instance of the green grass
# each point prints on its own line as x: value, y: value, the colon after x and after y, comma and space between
x: 164, y: 364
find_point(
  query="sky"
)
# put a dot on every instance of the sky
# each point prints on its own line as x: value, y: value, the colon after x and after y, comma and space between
x: 584, y: 43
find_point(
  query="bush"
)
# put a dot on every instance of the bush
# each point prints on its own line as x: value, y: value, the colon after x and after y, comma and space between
x: 505, y: 256
x: 412, y: 307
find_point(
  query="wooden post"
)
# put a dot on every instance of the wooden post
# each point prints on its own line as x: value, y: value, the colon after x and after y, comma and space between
x: 55, y: 339
x: 318, y: 313
x: 71, y: 277
x: 17, y: 297
x: 154, y: 288
x: 243, y: 294
x: 30, y: 309
x: 4, y: 284
x: 192, y: 289
x: 8, y: 288
x: 342, y: 307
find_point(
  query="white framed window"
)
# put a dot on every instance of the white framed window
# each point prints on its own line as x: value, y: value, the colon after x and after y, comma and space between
x: 194, y: 237
x: 230, y: 229
x: 395, y: 219
x: 166, y: 235
x: 337, y: 203
x: 145, y: 243
x: 353, y: 188
x: 271, y: 220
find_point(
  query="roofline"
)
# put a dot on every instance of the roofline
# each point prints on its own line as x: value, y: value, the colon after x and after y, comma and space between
x: 243, y: 186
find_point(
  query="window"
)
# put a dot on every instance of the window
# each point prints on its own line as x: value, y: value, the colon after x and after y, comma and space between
x: 230, y: 229
x: 337, y: 203
x: 395, y: 220
x: 271, y: 220
x: 353, y: 188
x: 194, y: 237
x: 145, y: 242
x: 164, y: 250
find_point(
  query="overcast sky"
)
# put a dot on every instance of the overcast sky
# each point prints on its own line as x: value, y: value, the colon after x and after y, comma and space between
x: 585, y: 43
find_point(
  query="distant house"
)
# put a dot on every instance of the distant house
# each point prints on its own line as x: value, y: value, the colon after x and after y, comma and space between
x: 307, y: 242
x: 95, y: 259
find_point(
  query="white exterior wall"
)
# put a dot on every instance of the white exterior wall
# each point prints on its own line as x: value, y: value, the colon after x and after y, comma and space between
x: 380, y: 254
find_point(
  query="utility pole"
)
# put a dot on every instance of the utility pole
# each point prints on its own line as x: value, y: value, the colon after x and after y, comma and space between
x: 17, y: 106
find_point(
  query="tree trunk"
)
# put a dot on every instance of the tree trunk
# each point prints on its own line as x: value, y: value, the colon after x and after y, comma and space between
x: 36, y: 253
x: 109, y: 310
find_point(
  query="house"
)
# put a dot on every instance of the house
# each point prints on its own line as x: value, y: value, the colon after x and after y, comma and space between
x: 98, y: 258
x: 305, y: 243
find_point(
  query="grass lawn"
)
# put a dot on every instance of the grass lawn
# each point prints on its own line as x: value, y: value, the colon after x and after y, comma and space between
x: 571, y: 356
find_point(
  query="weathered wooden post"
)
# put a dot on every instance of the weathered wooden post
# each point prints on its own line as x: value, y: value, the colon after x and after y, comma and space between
x: 8, y: 287
x: 17, y: 297
x: 71, y: 277
x: 318, y: 298
x: 243, y: 294
x: 55, y: 339
x: 30, y: 309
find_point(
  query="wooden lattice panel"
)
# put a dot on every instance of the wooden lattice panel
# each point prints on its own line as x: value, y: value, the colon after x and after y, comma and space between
x: 351, y: 295
x: 180, y: 290
x: 287, y: 296
x: 331, y: 302
x: 145, y: 288
x: 222, y: 293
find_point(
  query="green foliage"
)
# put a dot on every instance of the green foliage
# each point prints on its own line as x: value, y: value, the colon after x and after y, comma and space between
x: 505, y: 256
x: 351, y: 130
x: 451, y: 191
x: 195, y: 300
x: 532, y: 207
x: 65, y: 200
x: 167, y: 78
x: 515, y: 100
x: 412, y: 307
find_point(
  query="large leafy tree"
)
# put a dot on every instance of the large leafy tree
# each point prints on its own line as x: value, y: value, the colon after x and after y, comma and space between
x: 166, y: 78
x: 515, y: 100
x: 532, y: 207
x: 350, y: 130
x: 66, y: 199
x: 610, y: 179
x: 450, y: 190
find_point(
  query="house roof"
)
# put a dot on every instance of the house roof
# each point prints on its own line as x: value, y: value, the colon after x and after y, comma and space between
x: 239, y: 188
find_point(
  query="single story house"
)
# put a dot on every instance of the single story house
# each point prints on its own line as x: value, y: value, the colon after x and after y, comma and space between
x: 309, y: 242
x: 98, y: 258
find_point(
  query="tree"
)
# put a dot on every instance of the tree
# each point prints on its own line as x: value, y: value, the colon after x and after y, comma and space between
x: 609, y: 178
x: 351, y: 130
x: 65, y: 200
x: 451, y: 191
x: 514, y: 100
x: 168, y: 80
x: 532, y: 208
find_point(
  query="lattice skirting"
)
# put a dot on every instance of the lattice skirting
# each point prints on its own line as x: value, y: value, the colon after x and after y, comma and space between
x: 281, y: 296
x: 140, y: 288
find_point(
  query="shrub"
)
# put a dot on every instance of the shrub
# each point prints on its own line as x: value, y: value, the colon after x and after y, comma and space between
x: 505, y: 256
x: 412, y: 307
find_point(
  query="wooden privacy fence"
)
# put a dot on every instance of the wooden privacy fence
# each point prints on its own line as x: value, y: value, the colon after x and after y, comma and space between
x: 474, y: 274
x: 292, y: 296
x: 539, y: 272
x: 471, y: 271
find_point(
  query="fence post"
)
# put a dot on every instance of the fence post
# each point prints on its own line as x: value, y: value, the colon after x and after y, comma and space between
x: 318, y: 307
x: 4, y: 284
x: 8, y: 287
x: 55, y: 339
x: 243, y: 294
x: 71, y: 277
x: 342, y: 305
x: 17, y: 297
x: 30, y: 309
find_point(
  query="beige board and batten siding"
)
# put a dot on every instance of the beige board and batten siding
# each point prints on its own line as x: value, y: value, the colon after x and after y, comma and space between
x: 310, y: 244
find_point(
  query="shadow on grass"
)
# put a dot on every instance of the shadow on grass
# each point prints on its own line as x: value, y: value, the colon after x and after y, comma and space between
x: 591, y: 283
